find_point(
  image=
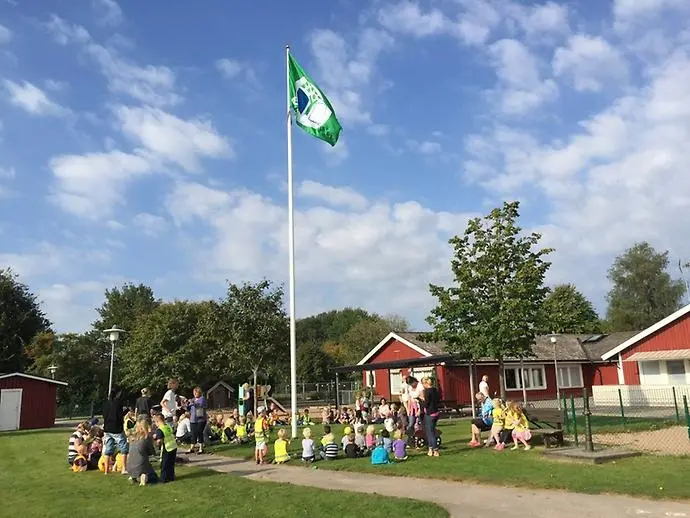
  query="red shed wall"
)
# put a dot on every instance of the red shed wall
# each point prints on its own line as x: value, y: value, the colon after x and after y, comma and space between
x: 38, y: 401
x: 672, y: 337
x: 394, y: 350
x: 600, y: 374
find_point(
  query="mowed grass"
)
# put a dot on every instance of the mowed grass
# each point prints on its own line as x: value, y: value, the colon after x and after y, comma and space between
x: 650, y: 476
x: 35, y: 481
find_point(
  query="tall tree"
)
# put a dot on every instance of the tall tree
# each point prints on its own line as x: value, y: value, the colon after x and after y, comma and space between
x: 567, y: 310
x: 21, y: 319
x: 643, y: 292
x: 329, y: 326
x: 313, y: 363
x: 124, y: 306
x: 251, y: 329
x: 492, y: 309
x: 168, y: 343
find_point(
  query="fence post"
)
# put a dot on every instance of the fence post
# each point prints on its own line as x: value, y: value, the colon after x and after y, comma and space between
x: 566, y: 424
x: 675, y: 404
x: 687, y: 414
x: 620, y: 401
x: 574, y: 420
x: 589, y: 445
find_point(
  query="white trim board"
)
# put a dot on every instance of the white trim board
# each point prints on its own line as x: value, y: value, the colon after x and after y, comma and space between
x: 647, y: 332
x: 382, y: 343
x: 29, y: 376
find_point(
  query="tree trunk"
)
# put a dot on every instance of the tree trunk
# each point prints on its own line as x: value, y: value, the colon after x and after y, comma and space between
x: 255, y: 371
x: 473, y: 402
x: 501, y: 379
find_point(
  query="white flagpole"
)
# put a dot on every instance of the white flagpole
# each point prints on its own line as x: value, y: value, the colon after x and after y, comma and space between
x: 291, y: 254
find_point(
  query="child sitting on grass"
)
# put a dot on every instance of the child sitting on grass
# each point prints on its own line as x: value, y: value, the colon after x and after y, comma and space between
x: 352, y: 451
x: 386, y: 441
x: 360, y: 441
x: 328, y: 437
x: 521, y: 433
x: 241, y: 431
x: 305, y: 418
x: 307, y: 447
x: 370, y: 437
x: 498, y: 414
x: 346, y: 433
x: 129, y: 422
x: 399, y: 446
x: 280, y: 447
x: 329, y: 449
x: 75, y: 439
x: 229, y: 431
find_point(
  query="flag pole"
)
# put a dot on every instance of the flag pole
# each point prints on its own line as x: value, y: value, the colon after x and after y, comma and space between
x: 291, y: 253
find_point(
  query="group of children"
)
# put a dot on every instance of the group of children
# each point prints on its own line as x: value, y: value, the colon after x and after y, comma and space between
x: 86, y: 449
x: 509, y: 425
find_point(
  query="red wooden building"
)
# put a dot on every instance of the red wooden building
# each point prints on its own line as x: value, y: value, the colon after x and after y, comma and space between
x: 659, y: 355
x: 27, y: 401
x: 576, y: 358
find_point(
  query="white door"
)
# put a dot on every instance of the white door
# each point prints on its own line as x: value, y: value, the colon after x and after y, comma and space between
x: 10, y: 409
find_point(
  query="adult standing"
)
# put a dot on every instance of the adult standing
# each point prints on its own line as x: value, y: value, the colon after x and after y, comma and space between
x: 484, y: 386
x: 403, y: 391
x: 169, y: 401
x: 113, y: 428
x: 143, y: 405
x: 197, y: 408
x: 415, y: 392
x: 248, y: 399
x: 484, y: 422
x: 431, y: 403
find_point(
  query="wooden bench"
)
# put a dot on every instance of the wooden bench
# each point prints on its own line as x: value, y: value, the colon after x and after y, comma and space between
x: 549, y: 423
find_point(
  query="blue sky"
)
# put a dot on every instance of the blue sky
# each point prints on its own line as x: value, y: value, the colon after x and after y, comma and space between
x: 148, y: 145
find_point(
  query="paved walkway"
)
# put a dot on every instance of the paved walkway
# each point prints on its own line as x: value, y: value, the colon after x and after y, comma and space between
x: 461, y: 499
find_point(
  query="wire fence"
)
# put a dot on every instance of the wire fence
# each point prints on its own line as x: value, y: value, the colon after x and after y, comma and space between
x: 319, y: 393
x: 655, y: 421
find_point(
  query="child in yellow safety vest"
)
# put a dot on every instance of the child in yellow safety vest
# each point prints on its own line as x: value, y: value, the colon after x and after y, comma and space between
x: 166, y: 438
x: 261, y: 429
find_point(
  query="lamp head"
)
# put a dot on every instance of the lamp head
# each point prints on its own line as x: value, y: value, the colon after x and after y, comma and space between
x: 114, y: 333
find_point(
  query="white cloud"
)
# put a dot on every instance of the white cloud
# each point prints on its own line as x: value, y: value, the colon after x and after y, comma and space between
x: 91, y: 185
x: 548, y: 18
x: 155, y: 85
x: 32, y: 99
x: 345, y: 72
x: 336, y: 196
x: 7, y: 173
x: 5, y: 35
x: 621, y: 178
x: 425, y: 147
x: 358, y: 255
x: 407, y: 17
x: 628, y: 13
x: 230, y: 68
x: 176, y: 140
x: 590, y: 62
x: 108, y: 11
x: 521, y: 88
x: 150, y: 224
x: 55, y: 85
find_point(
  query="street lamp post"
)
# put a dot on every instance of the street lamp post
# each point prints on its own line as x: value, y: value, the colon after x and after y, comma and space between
x: 52, y: 370
x: 113, y: 335
x: 554, y: 340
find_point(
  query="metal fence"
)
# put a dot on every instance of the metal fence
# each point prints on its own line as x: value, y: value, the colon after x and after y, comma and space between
x: 657, y: 423
x: 319, y: 393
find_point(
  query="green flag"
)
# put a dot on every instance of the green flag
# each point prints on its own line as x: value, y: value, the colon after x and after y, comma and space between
x: 313, y: 111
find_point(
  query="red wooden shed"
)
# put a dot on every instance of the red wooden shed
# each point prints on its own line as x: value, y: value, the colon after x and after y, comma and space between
x: 561, y: 368
x: 27, y: 401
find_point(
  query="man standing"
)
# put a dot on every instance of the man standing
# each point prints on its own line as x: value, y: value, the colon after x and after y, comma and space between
x: 484, y: 385
x: 169, y: 402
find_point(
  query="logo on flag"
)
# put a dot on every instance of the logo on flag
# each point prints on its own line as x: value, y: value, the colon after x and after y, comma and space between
x: 312, y: 111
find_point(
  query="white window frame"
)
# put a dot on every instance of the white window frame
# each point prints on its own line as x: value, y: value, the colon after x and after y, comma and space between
x: 425, y: 371
x: 395, y: 385
x: 663, y: 378
x: 518, y: 378
x: 570, y: 366
x: 370, y: 375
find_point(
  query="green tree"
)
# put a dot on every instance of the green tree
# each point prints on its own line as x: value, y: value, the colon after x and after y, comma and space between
x: 313, y: 363
x: 492, y: 309
x: 643, y: 292
x: 124, y: 306
x: 251, y: 330
x: 329, y: 326
x: 167, y: 343
x: 21, y: 319
x: 567, y: 310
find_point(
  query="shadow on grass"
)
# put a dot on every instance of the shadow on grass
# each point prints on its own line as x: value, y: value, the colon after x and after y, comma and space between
x: 39, y: 431
x: 197, y: 473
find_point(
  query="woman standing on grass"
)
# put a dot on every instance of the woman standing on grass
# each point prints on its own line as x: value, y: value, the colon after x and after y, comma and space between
x: 197, y: 409
x: 431, y: 404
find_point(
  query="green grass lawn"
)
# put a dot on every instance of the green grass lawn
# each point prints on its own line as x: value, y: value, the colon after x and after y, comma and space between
x: 35, y: 481
x: 649, y: 476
